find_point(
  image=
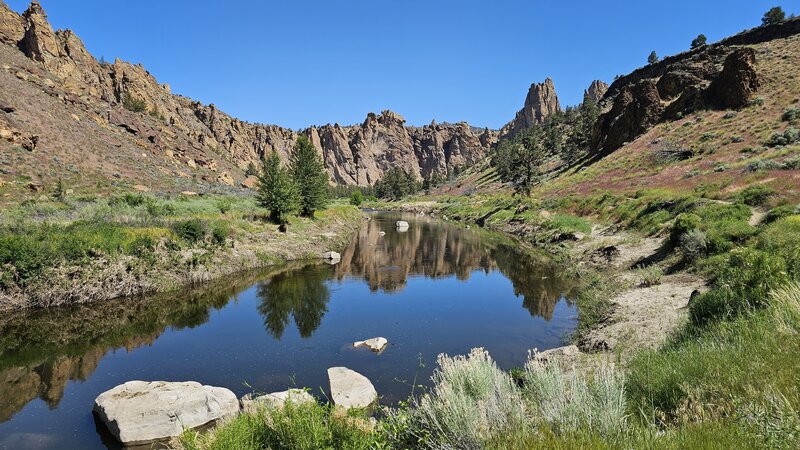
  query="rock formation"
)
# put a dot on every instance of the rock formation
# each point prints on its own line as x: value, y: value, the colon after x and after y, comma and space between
x: 184, y: 139
x: 596, y: 91
x: 140, y: 412
x: 720, y: 75
x: 541, y: 102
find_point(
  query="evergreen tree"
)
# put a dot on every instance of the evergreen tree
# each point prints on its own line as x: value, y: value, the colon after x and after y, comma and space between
x: 773, y: 16
x: 653, y: 58
x: 699, y: 41
x: 59, y: 192
x: 308, y: 172
x: 277, y: 191
x: 252, y: 170
x: 530, y: 155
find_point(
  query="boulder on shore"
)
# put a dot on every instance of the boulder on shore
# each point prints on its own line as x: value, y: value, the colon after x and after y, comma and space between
x: 277, y: 399
x: 142, y: 412
x: 350, y: 389
x: 376, y: 344
x: 331, y: 256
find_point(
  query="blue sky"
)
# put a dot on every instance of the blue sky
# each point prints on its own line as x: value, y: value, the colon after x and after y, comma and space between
x: 300, y: 62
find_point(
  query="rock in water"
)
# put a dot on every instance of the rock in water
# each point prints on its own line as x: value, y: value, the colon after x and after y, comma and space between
x: 350, y: 389
x: 332, y: 256
x: 277, y: 399
x: 401, y: 224
x: 375, y: 344
x: 141, y: 412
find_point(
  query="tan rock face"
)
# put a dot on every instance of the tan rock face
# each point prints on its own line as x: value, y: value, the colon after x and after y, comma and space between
x: 541, y: 102
x: 12, y: 27
x: 596, y: 91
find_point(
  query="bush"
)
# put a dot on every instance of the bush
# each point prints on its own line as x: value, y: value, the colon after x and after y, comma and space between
x: 742, y: 286
x: 129, y: 199
x: 683, y: 224
x: 693, y: 244
x: 471, y: 402
x: 224, y: 205
x: 192, y: 230
x: 133, y: 104
x: 220, y: 234
x: 755, y: 195
x: 789, y: 136
x: 141, y: 246
x: 790, y: 114
x: 356, y: 198
x: 779, y: 213
x: 782, y: 238
x: 568, y: 402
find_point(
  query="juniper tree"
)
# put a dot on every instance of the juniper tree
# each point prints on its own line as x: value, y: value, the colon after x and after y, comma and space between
x: 308, y: 172
x: 773, y: 16
x: 653, y: 58
x: 277, y: 191
x: 699, y: 41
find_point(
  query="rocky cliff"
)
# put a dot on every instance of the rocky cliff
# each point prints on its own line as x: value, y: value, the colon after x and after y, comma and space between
x: 117, y: 121
x: 720, y: 76
x: 540, y: 102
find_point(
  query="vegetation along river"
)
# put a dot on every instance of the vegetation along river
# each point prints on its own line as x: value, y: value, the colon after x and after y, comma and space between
x: 435, y: 288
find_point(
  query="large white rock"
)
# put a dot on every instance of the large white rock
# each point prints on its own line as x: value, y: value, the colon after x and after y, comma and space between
x: 350, y: 389
x: 277, y: 399
x: 375, y: 344
x: 331, y: 256
x: 140, y: 412
x: 401, y: 224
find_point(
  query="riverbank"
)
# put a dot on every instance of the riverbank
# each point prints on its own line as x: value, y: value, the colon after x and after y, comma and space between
x: 82, y: 250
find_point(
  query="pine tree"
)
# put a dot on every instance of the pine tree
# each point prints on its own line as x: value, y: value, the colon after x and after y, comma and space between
x: 59, y: 192
x: 308, y: 172
x: 277, y: 191
x: 653, y: 58
x: 773, y: 16
x: 699, y: 41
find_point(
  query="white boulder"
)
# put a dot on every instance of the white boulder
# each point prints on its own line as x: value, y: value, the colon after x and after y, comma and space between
x: 376, y: 344
x: 401, y: 224
x: 329, y: 256
x: 277, y: 399
x: 141, y: 412
x: 350, y: 389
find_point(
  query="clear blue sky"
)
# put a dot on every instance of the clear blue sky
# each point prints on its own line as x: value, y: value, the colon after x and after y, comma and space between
x: 297, y: 63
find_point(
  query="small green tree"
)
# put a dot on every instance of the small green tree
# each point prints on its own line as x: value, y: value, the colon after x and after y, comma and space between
x: 252, y: 170
x: 356, y: 198
x: 277, y: 191
x: 653, y: 58
x: 59, y: 192
x: 699, y: 41
x: 773, y: 16
x: 133, y: 104
x: 308, y: 172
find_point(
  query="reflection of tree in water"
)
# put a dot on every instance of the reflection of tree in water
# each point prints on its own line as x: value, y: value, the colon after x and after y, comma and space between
x: 301, y: 293
x: 537, y: 280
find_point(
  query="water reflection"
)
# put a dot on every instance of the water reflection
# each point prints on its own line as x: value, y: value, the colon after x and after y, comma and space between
x: 42, y: 351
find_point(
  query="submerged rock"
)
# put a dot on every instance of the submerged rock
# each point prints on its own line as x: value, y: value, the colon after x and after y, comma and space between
x: 141, y: 412
x: 376, y: 344
x: 277, y: 399
x: 350, y: 389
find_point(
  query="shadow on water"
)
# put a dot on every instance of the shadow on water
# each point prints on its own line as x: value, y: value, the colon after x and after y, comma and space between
x: 42, y: 351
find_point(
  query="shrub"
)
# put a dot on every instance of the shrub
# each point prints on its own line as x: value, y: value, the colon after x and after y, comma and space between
x: 356, y: 198
x: 743, y: 285
x: 471, y: 401
x: 755, y: 195
x: 760, y: 165
x: 220, y: 234
x: 650, y: 276
x: 567, y: 402
x: 684, y: 223
x: 693, y: 244
x: 790, y: 114
x: 224, y: 205
x: 782, y: 238
x: 779, y: 213
x: 132, y: 200
x: 192, y: 230
x: 141, y: 246
x: 773, y: 16
x: 133, y: 104
x: 789, y: 136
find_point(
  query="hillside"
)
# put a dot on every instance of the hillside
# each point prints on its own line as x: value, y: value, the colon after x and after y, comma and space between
x: 102, y: 126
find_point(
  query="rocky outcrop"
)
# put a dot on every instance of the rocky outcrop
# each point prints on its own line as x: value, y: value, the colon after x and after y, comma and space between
x: 596, y: 91
x: 350, y: 389
x: 541, y: 102
x: 140, y: 412
x: 183, y: 132
x: 715, y: 76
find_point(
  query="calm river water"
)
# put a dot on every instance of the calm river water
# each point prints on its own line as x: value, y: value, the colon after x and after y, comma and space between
x: 436, y: 288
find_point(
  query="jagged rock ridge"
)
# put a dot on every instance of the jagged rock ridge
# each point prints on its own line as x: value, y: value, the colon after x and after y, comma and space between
x: 185, y: 138
x: 540, y: 102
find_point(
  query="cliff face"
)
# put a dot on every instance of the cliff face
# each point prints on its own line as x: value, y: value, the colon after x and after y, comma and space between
x: 180, y: 137
x: 540, y: 102
x: 721, y: 76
